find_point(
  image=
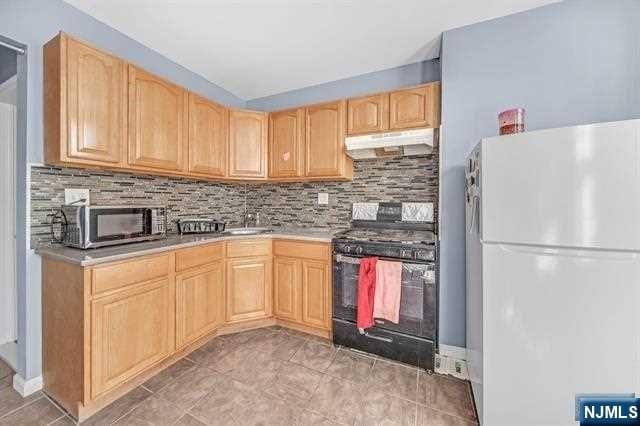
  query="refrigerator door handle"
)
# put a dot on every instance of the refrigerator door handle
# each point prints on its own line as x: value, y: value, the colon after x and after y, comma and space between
x: 474, y: 224
x: 583, y: 253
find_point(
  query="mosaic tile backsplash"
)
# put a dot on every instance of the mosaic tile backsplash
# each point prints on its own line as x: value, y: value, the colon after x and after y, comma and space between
x: 183, y: 197
x: 402, y: 179
x: 286, y: 204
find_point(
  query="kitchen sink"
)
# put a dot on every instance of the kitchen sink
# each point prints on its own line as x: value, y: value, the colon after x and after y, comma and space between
x: 247, y: 231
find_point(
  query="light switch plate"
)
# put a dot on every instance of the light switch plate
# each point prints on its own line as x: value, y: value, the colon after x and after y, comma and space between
x: 323, y: 198
x: 74, y: 194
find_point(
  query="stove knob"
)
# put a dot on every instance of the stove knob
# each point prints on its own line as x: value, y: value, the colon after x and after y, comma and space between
x: 392, y: 253
x: 359, y: 250
x: 425, y: 255
x: 344, y: 248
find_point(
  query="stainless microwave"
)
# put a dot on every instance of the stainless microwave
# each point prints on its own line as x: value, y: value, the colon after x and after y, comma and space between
x: 98, y: 226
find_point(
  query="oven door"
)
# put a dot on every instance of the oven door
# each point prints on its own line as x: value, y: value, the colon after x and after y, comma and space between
x: 113, y: 225
x: 418, y: 297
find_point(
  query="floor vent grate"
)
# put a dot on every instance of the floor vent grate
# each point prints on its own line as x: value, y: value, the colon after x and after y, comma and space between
x: 452, y: 367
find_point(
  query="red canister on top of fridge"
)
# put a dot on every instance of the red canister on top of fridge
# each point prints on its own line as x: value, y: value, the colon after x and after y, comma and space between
x: 511, y: 121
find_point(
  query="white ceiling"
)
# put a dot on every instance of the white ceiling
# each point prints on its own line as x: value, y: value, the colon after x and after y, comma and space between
x: 256, y: 48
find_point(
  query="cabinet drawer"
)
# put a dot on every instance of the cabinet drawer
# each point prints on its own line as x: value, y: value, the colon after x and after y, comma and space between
x: 109, y: 277
x: 244, y: 248
x: 298, y: 249
x: 196, y: 256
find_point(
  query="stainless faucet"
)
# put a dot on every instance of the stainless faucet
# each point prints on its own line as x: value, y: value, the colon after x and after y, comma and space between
x: 250, y: 219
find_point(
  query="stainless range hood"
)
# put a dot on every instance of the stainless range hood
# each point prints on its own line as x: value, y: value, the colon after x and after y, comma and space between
x: 392, y: 144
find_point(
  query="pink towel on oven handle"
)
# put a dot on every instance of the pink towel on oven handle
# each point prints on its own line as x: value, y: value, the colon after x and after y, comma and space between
x: 386, y: 301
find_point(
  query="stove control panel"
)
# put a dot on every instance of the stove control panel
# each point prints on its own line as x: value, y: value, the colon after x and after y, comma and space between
x: 421, y: 254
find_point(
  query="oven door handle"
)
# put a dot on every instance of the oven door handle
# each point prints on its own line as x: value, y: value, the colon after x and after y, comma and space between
x: 355, y: 260
x: 348, y: 259
x: 382, y: 339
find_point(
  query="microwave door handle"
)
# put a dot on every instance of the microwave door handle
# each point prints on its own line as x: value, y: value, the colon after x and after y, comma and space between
x: 86, y: 232
x: 474, y: 225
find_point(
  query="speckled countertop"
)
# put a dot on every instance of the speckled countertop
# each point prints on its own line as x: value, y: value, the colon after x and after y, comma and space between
x: 172, y: 242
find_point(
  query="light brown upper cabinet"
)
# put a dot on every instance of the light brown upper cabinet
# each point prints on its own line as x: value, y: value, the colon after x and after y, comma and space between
x: 158, y: 133
x: 286, y: 136
x: 415, y: 107
x: 368, y: 114
x: 208, y: 137
x: 247, y: 144
x: 101, y: 112
x: 324, y: 141
x: 84, y: 104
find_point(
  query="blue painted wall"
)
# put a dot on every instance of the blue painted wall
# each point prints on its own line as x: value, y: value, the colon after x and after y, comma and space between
x: 33, y: 23
x: 568, y: 63
x: 379, y: 81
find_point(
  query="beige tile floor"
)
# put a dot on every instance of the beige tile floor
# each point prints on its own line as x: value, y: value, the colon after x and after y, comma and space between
x: 269, y: 376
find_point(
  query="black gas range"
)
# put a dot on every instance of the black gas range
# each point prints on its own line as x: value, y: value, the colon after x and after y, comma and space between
x: 397, y: 232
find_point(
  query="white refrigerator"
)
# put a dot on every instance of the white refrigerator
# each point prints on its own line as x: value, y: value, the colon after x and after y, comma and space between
x: 553, y: 270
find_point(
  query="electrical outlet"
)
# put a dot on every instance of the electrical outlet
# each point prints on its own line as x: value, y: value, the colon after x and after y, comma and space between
x: 323, y: 198
x: 73, y: 195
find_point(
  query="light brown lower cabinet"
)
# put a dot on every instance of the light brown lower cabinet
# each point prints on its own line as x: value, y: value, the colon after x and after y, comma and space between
x: 131, y: 330
x: 316, y: 297
x: 108, y: 328
x: 103, y: 326
x: 302, y: 283
x: 287, y: 288
x: 199, y: 302
x: 248, y: 288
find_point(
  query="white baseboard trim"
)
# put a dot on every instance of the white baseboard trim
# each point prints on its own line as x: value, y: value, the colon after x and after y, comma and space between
x: 453, y: 352
x: 26, y: 387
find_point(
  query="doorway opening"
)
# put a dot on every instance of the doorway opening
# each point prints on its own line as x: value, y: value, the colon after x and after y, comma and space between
x: 8, y: 249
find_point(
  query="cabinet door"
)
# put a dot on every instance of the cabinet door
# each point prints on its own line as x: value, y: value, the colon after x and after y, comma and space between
x: 316, y: 295
x: 286, y: 135
x: 287, y: 281
x: 95, y: 105
x: 208, y: 130
x: 131, y: 330
x: 248, y: 288
x: 368, y: 114
x: 157, y: 122
x: 248, y: 144
x: 415, y: 107
x: 199, y: 302
x: 324, y: 139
